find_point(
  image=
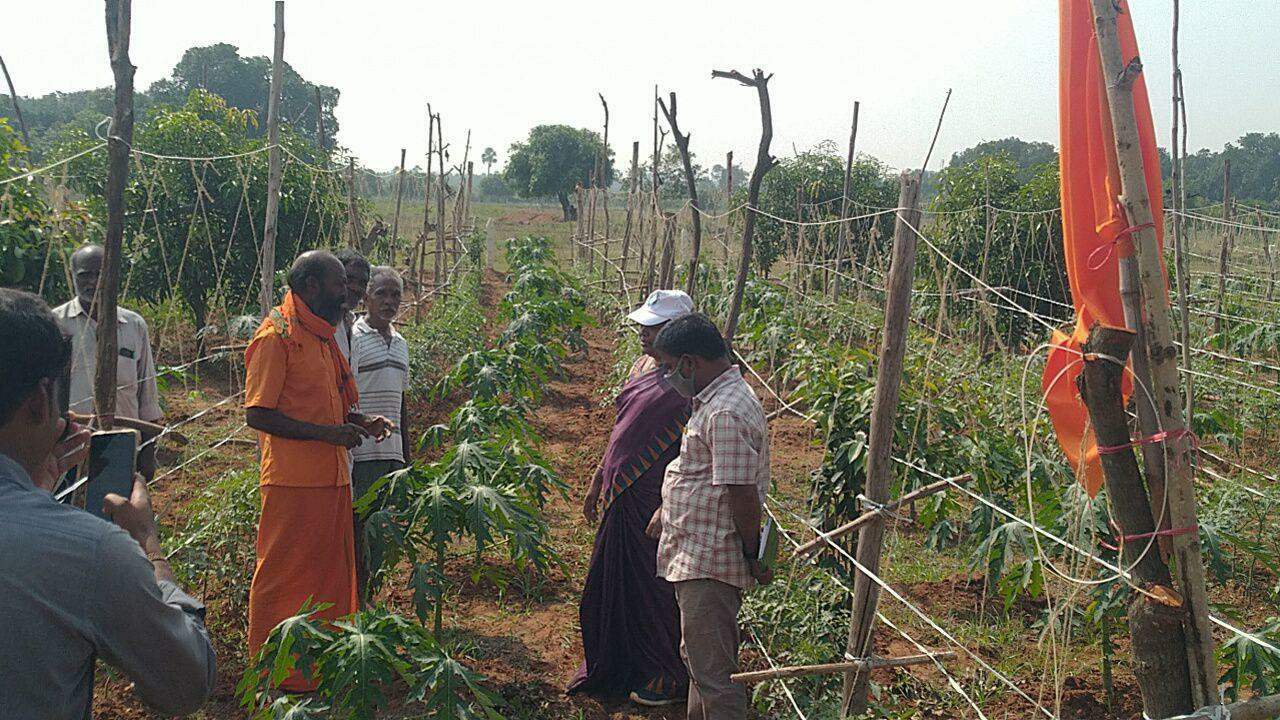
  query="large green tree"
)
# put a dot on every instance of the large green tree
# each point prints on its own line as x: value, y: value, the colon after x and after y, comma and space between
x: 245, y: 82
x: 816, y: 179
x: 552, y: 161
x: 1023, y: 250
x: 1027, y: 156
x: 192, y: 229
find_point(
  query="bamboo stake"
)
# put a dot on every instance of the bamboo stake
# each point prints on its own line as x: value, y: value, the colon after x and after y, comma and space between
x: 440, y: 198
x: 920, y: 492
x: 884, y: 410
x: 1164, y: 381
x: 17, y: 110
x: 395, y: 220
x: 603, y: 175
x: 266, y: 296
x: 354, y: 233
x: 1225, y: 251
x: 843, y: 234
x: 119, y: 139
x: 747, y: 678
x: 1181, y: 275
x: 631, y: 202
x: 320, y: 138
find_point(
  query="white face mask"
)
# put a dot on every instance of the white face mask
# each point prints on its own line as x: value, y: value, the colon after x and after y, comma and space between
x: 681, y: 384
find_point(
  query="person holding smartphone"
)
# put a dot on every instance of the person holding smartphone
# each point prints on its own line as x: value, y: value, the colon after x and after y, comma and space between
x: 74, y: 587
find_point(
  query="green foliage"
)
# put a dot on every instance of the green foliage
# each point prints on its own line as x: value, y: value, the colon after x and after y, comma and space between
x: 1022, y: 253
x: 1249, y: 665
x: 1255, y: 171
x: 553, y: 160
x: 215, y: 546
x: 1027, y: 156
x: 449, y: 329
x: 193, y: 229
x: 30, y: 227
x: 356, y: 661
x: 815, y: 179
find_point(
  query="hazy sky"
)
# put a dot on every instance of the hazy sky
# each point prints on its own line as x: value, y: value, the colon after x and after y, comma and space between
x: 500, y: 67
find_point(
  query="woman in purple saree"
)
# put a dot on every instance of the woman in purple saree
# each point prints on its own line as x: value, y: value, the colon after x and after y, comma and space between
x: 629, y: 618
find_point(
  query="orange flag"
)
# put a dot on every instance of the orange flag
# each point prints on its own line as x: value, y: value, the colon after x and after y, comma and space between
x: 1093, y: 224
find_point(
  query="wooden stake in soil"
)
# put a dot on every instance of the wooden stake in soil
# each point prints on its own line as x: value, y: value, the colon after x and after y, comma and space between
x: 884, y: 410
x: 119, y: 139
x: 764, y: 163
x: 728, y: 201
x: 441, y: 189
x: 682, y: 144
x: 1179, y: 236
x: 266, y: 296
x: 17, y: 110
x: 603, y: 174
x: 395, y: 219
x: 1224, y: 254
x: 842, y: 236
x: 1164, y: 381
x: 1159, y: 643
x: 354, y: 232
x: 631, y: 203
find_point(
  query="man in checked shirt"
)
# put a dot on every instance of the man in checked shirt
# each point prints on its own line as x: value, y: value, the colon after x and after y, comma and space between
x: 708, y: 527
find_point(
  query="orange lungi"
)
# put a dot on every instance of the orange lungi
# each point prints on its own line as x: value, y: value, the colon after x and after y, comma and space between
x: 305, y: 550
x: 306, y: 543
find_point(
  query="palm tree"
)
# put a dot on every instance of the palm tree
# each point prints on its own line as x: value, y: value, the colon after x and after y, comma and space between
x: 489, y: 157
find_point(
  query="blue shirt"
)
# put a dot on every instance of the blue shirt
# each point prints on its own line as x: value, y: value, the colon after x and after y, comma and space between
x: 74, y: 587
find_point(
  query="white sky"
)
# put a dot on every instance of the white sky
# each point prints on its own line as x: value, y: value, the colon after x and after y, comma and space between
x: 499, y: 67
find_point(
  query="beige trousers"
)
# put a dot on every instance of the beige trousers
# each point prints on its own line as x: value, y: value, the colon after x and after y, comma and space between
x: 709, y: 647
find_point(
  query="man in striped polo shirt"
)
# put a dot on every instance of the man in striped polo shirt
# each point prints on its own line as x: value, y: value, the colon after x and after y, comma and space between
x: 380, y: 360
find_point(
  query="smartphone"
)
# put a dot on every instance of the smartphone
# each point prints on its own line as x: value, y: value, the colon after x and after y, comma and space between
x: 112, y: 464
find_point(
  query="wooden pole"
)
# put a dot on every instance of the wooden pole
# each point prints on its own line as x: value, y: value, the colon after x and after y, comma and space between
x: 441, y: 189
x: 764, y: 163
x: 1225, y: 252
x: 354, y: 233
x: 603, y: 175
x: 17, y: 109
x: 1181, y: 272
x: 119, y: 139
x: 747, y: 678
x: 893, y: 344
x: 842, y: 236
x: 1159, y: 644
x: 631, y: 203
x: 682, y: 144
x: 1164, y: 381
x: 466, y: 206
x: 1266, y: 253
x: 921, y: 492
x: 728, y: 202
x: 320, y: 138
x: 266, y: 295
x: 420, y: 261
x: 395, y: 219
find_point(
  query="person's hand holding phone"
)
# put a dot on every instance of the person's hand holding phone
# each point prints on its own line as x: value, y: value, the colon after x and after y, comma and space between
x: 134, y: 515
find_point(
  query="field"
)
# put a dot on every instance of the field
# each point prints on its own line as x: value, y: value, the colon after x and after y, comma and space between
x: 1028, y: 637
x: 1042, y: 529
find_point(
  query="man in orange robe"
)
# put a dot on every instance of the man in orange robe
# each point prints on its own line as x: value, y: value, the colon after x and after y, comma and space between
x: 299, y: 392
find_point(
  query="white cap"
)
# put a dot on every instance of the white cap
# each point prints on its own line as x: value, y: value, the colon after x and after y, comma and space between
x: 661, y: 306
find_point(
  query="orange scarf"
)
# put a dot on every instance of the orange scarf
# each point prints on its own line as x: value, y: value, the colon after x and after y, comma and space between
x: 297, y: 313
